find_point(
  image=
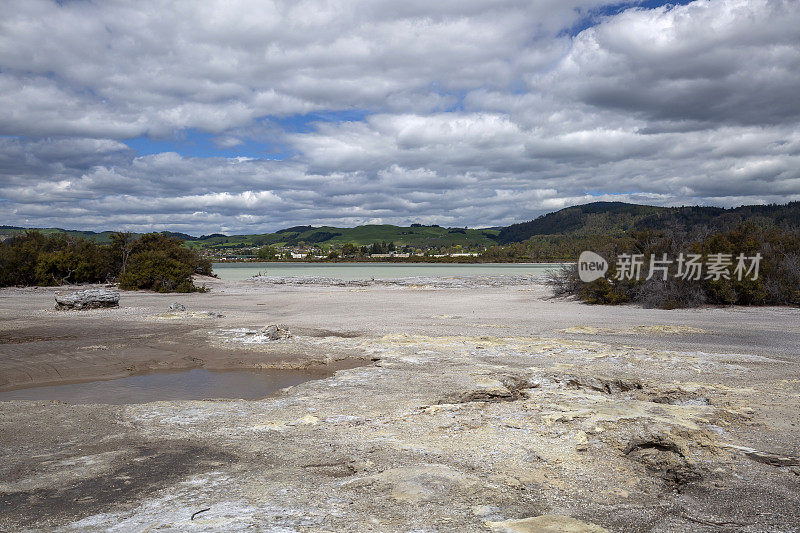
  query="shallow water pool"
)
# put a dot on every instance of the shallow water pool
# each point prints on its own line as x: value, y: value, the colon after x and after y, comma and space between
x: 196, y: 384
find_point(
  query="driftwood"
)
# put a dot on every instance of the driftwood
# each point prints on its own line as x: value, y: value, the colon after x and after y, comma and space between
x: 87, y: 299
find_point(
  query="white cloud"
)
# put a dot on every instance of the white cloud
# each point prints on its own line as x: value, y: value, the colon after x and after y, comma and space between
x: 477, y: 112
x: 711, y: 61
x: 118, y: 69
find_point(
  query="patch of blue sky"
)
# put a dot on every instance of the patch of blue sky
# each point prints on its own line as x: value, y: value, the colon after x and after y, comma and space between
x: 196, y: 143
x: 518, y: 87
x: 592, y: 17
x: 306, y: 123
x: 456, y: 98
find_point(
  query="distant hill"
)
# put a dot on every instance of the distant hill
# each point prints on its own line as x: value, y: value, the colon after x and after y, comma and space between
x: 102, y: 236
x: 616, y: 218
x: 598, y: 218
x: 416, y: 235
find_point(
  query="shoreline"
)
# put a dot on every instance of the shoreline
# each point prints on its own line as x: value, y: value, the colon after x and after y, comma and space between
x: 399, y: 260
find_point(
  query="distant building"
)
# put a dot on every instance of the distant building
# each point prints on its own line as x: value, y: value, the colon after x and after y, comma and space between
x: 390, y: 254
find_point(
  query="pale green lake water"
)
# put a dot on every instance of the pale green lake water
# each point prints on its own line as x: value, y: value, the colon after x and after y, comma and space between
x: 357, y: 271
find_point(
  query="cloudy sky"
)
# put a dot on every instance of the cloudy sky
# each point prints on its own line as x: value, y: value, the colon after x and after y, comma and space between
x: 254, y: 115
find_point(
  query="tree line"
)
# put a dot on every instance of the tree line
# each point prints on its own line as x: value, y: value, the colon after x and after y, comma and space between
x: 777, y: 282
x: 153, y: 261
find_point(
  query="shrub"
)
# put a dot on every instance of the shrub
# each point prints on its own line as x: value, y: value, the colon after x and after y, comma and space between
x: 157, y: 271
x: 152, y: 261
x: 32, y: 258
x: 564, y: 281
x: 778, y: 282
x: 161, y: 264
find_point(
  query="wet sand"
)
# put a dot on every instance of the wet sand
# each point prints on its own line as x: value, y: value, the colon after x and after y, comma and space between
x: 176, y: 385
x: 455, y: 408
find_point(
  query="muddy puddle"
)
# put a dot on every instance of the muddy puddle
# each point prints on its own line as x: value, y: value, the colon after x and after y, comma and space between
x: 196, y: 384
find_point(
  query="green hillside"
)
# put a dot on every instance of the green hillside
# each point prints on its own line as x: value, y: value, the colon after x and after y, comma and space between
x: 604, y: 219
x: 102, y: 237
x: 617, y: 218
x: 417, y: 236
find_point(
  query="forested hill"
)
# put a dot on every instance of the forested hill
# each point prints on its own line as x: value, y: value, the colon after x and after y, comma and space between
x: 606, y: 219
x: 617, y: 218
x: 418, y: 235
x: 103, y: 237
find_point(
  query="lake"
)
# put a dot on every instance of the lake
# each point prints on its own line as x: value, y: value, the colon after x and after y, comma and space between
x: 196, y: 384
x: 356, y: 271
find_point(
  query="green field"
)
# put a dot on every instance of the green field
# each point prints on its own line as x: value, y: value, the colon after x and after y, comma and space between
x: 419, y: 236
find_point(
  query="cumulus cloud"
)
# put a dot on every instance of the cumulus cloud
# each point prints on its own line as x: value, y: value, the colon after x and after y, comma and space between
x: 709, y: 62
x: 470, y: 112
x: 119, y: 69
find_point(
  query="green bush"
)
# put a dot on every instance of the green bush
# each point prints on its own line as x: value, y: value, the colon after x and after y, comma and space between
x: 159, y: 263
x: 152, y: 261
x: 32, y: 258
x: 155, y: 270
x: 778, y: 282
x: 349, y: 250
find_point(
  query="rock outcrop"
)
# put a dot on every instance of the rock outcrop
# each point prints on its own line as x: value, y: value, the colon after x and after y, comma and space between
x: 274, y: 332
x: 87, y: 299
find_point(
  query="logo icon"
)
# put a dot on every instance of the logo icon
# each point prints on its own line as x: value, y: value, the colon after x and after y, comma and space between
x: 591, y: 266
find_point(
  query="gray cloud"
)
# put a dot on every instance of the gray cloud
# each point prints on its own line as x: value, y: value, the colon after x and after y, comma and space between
x: 710, y: 62
x: 478, y: 112
x: 116, y: 69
